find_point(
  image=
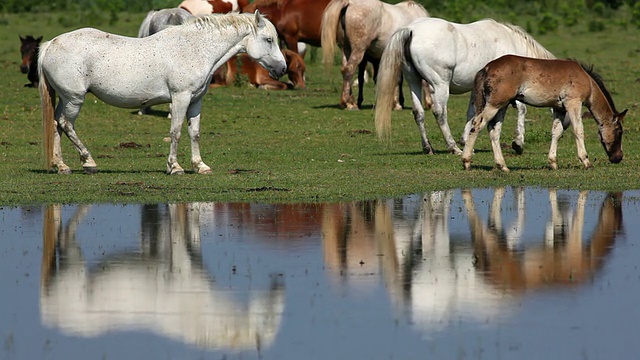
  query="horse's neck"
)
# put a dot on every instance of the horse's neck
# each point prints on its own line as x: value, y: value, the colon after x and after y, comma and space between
x: 599, y: 105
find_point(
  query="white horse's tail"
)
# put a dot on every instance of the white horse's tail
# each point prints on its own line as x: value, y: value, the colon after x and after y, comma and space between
x: 47, y: 100
x: 330, y: 20
x: 393, y: 56
x: 146, y: 24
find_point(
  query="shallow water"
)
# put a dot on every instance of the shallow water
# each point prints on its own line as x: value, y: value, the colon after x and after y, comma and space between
x: 512, y: 273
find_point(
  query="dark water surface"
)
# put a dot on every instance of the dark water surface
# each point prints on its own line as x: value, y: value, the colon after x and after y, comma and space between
x: 513, y: 273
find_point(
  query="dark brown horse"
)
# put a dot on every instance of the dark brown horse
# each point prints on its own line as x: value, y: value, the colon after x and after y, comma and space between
x: 29, y: 47
x: 259, y: 76
x: 295, y: 20
x: 563, y: 85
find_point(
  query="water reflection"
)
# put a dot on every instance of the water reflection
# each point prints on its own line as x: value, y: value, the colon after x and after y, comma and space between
x: 435, y: 264
x: 561, y: 257
x: 162, y: 286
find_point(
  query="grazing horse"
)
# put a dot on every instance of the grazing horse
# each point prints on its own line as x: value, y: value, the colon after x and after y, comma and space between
x: 563, y: 85
x: 296, y: 20
x: 447, y: 56
x: 29, y: 47
x: 173, y: 66
x: 259, y: 76
x: 362, y: 28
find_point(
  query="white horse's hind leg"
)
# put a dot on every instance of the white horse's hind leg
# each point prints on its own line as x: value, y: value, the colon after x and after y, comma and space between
x: 193, y: 115
x: 518, y: 143
x: 66, y: 115
x: 440, y: 98
x: 471, y: 112
x: 418, y: 111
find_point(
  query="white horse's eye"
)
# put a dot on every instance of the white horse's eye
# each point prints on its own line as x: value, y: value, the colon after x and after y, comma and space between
x: 269, y: 40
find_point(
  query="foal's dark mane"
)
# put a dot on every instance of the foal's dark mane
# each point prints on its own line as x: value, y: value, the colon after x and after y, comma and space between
x: 598, y: 80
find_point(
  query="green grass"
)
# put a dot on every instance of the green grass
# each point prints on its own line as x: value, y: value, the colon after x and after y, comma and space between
x: 296, y: 146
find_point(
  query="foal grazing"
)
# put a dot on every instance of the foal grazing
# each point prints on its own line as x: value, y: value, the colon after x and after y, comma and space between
x: 563, y: 85
x: 29, y: 48
x: 173, y: 66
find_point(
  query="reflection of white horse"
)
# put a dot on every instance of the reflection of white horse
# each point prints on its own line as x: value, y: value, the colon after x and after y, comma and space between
x: 163, y: 287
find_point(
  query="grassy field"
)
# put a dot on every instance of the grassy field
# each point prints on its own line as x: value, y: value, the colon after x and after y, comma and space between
x: 296, y: 146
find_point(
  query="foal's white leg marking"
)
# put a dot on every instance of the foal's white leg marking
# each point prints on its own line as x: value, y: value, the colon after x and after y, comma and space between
x: 415, y: 85
x: 477, y: 123
x: 560, y: 123
x: 67, y: 116
x: 471, y: 112
x: 193, y: 115
x: 495, y: 128
x: 575, y: 115
x: 518, y: 143
x: 440, y: 98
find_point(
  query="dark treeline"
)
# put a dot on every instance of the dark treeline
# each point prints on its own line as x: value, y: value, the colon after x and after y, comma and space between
x: 539, y: 16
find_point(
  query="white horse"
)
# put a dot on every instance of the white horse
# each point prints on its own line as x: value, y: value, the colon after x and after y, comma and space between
x: 173, y: 66
x: 447, y: 56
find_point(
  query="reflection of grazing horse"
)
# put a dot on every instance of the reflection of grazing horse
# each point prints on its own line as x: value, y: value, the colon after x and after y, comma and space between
x: 173, y: 66
x: 447, y: 56
x: 163, y: 287
x: 29, y: 47
x: 242, y: 65
x: 562, y: 258
x: 362, y: 28
x: 563, y: 85
x: 296, y: 20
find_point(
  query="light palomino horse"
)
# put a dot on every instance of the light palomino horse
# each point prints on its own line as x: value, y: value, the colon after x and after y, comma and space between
x: 362, y: 28
x: 447, y: 56
x: 134, y: 72
x: 563, y: 85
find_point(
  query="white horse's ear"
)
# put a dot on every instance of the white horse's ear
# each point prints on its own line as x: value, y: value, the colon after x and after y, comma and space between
x: 259, y: 19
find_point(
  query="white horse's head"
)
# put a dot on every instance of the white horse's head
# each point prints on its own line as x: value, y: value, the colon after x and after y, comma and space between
x: 262, y: 46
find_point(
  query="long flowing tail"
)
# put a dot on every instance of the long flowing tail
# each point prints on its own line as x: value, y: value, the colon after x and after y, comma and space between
x: 330, y: 19
x: 391, y: 62
x: 146, y: 24
x: 47, y: 100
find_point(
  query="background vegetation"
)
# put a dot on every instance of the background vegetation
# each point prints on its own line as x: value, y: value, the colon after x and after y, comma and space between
x: 297, y: 145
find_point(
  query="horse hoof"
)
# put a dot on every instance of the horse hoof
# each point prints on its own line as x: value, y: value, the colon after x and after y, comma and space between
x: 466, y: 165
x: 90, y: 170
x: 66, y: 171
x: 517, y: 148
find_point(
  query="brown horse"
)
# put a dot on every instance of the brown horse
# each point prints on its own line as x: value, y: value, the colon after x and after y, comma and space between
x: 259, y: 76
x: 227, y: 6
x: 29, y: 47
x: 563, y: 85
x: 362, y: 28
x: 295, y: 20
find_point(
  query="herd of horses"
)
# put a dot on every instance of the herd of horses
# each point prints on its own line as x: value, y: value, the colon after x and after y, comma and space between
x: 435, y: 56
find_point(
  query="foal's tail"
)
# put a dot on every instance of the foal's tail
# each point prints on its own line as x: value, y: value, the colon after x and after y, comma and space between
x: 479, y: 92
x: 330, y: 20
x: 393, y: 56
x: 48, y: 100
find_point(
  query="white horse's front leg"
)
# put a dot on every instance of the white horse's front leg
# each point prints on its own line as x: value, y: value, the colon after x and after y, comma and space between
x: 179, y: 105
x: 193, y: 115
x: 471, y: 112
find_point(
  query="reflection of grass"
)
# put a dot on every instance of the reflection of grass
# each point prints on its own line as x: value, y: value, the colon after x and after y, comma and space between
x: 296, y: 140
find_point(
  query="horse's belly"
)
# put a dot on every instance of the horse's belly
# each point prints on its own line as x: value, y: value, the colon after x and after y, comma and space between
x: 130, y: 97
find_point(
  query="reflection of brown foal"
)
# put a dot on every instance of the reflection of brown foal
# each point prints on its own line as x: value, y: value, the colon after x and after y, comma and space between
x: 563, y: 85
x: 562, y: 259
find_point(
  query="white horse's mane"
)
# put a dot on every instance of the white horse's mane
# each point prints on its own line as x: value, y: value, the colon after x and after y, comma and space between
x: 224, y: 21
x: 534, y: 48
